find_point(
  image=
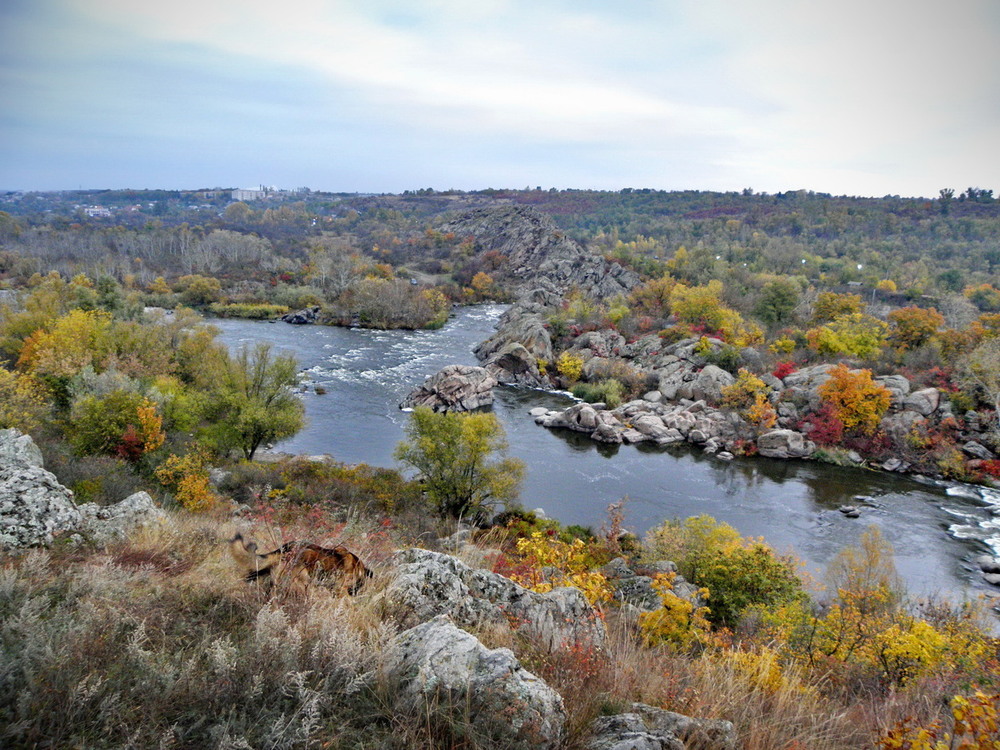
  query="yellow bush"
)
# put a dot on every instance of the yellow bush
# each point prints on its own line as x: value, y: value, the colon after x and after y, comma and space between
x: 678, y: 622
x: 187, y: 477
x: 572, y: 561
x: 570, y: 366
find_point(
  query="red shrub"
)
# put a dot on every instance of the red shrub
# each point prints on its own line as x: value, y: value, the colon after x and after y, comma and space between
x: 783, y: 369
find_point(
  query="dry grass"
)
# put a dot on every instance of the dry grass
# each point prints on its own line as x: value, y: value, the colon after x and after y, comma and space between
x: 157, y: 642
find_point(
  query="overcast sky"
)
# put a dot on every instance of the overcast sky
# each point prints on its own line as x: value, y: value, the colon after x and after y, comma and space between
x: 854, y: 97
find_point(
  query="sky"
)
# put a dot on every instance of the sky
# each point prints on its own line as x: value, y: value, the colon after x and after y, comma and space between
x: 850, y: 97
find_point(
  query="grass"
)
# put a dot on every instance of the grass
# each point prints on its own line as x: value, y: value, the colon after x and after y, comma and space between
x: 157, y: 642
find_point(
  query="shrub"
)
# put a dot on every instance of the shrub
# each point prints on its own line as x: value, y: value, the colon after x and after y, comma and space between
x: 121, y: 423
x: 187, y: 477
x: 249, y: 310
x: 608, y: 391
x: 737, y: 572
x: 856, y: 400
x: 783, y: 369
x: 677, y: 622
x: 570, y: 366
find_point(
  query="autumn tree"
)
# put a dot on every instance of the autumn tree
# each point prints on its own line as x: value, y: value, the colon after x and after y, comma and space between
x: 856, y: 399
x: 748, y: 397
x: 255, y: 403
x: 852, y: 335
x: 462, y: 462
x: 22, y: 401
x: 913, y: 326
x: 831, y: 305
x: 122, y: 423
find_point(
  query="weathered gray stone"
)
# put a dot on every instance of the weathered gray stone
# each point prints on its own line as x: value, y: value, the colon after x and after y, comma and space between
x: 430, y: 583
x: 978, y: 450
x: 899, y: 388
x: 454, y: 388
x: 103, y: 524
x: 702, y: 733
x: 988, y: 563
x: 784, y: 444
x: 629, y: 732
x: 924, y: 401
x: 305, y: 316
x: 16, y: 447
x: 440, y: 669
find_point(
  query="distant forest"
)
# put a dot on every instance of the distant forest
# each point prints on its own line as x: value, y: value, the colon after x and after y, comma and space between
x: 305, y: 248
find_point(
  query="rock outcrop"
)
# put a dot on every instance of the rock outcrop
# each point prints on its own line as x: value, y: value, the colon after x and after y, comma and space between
x: 538, y: 253
x: 436, y: 667
x: 305, y: 316
x: 35, y: 508
x: 648, y: 728
x: 428, y: 584
x: 104, y: 524
x: 541, y: 264
x: 454, y: 388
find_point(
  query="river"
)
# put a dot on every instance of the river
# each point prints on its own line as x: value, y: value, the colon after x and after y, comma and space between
x: 792, y: 504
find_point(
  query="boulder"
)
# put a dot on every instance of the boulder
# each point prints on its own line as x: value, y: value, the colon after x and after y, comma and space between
x: 428, y: 584
x: 899, y: 388
x: 924, y: 401
x: 978, y: 450
x: 629, y: 732
x: 438, y: 668
x: 716, y: 734
x: 34, y: 507
x: 16, y: 447
x: 784, y: 444
x: 103, y: 524
x: 707, y: 385
x: 305, y: 316
x: 512, y: 364
x: 454, y: 388
x: 899, y: 424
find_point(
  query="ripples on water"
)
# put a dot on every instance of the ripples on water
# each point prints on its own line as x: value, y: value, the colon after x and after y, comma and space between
x: 936, y: 532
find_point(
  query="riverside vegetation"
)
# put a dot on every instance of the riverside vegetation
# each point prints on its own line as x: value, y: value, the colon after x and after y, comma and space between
x: 157, y: 624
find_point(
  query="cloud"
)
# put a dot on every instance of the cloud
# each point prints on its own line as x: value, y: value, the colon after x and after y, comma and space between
x: 866, y: 97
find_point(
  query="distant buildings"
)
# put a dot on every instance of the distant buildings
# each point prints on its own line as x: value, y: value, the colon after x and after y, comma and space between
x: 262, y: 192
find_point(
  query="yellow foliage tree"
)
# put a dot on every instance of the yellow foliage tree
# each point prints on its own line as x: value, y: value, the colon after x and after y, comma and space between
x: 22, y: 401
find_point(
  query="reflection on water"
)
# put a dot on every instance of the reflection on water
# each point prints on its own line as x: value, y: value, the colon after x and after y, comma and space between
x: 792, y: 504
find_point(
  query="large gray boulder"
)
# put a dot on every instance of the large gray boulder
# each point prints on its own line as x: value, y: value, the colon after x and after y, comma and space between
x: 925, y: 401
x: 438, y: 668
x: 454, y: 388
x: 784, y: 444
x: 34, y: 507
x: 428, y: 584
x: 709, y: 383
x: 629, y: 732
x: 104, y: 524
x: 16, y: 447
x: 646, y: 727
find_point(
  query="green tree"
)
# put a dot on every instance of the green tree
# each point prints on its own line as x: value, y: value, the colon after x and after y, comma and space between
x: 777, y: 301
x: 255, y: 401
x: 461, y: 459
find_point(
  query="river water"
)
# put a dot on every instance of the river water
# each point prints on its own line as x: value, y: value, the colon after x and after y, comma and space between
x: 792, y: 504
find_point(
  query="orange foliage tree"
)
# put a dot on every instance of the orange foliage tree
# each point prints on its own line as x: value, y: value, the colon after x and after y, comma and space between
x: 913, y: 326
x: 856, y: 399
